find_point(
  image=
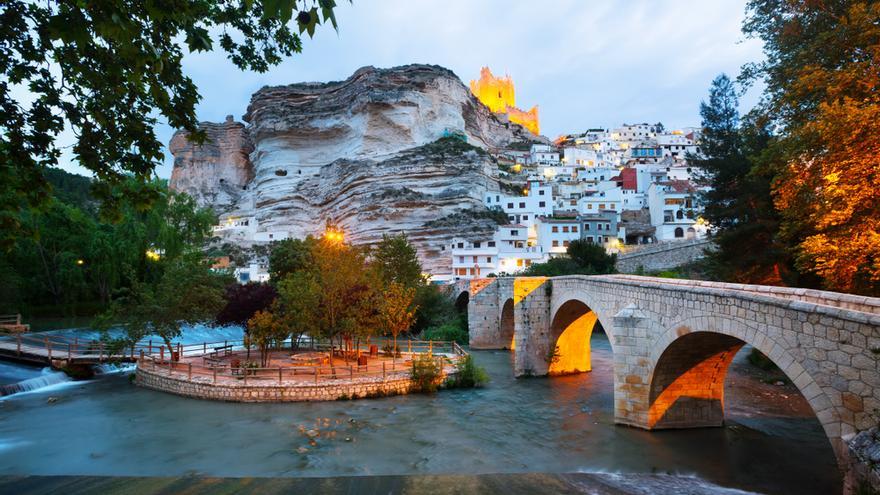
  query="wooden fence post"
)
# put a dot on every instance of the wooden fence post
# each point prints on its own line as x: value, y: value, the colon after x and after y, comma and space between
x: 350, y: 373
x: 189, y: 371
x: 316, y: 375
x: 48, y: 349
x: 161, y: 353
x: 430, y: 347
x: 215, y: 374
x: 279, y: 375
x: 383, y: 371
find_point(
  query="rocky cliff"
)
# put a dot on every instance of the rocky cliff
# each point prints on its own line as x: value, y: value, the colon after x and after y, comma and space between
x: 381, y: 152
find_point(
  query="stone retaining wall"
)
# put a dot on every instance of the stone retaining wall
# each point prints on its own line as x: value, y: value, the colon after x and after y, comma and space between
x: 662, y: 256
x: 270, y: 391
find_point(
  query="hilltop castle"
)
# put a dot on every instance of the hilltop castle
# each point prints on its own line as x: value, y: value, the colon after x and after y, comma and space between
x: 497, y: 93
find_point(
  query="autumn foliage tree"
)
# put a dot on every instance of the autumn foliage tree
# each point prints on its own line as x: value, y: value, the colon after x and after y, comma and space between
x: 397, y: 313
x: 822, y: 77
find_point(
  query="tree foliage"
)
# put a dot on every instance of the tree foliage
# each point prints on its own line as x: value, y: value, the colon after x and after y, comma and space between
x: 736, y: 200
x: 822, y: 79
x: 108, y: 72
x: 583, y: 258
x: 396, y: 261
x: 243, y: 301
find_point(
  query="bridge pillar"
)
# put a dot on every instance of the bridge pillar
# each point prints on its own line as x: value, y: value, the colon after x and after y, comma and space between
x: 632, y: 367
x: 483, y: 313
x: 531, y: 306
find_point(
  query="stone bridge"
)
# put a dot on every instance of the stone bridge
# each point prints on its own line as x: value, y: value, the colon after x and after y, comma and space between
x: 673, y: 341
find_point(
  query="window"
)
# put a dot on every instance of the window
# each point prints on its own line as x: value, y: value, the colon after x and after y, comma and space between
x: 542, y: 204
x: 510, y: 217
x: 601, y: 206
x: 607, y: 226
x: 473, y: 271
x: 460, y: 245
x: 519, y: 262
x: 565, y: 243
x: 541, y: 191
x: 514, y: 232
x: 491, y: 243
x: 574, y: 228
x: 497, y: 198
x: 475, y: 260
x: 598, y: 226
x: 461, y: 259
x: 510, y: 205
x: 528, y: 262
x: 525, y: 217
x: 589, y: 206
x: 590, y: 239
x: 565, y: 228
x: 476, y: 244
x: 460, y: 271
x: 555, y: 229
x: 488, y: 259
x: 522, y: 205
x: 555, y: 243
x: 488, y: 199
x: 679, y: 232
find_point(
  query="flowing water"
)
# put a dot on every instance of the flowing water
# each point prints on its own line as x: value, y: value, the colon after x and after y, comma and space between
x: 107, y: 426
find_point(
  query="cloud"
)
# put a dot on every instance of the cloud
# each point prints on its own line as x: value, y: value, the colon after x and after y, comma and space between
x: 585, y: 64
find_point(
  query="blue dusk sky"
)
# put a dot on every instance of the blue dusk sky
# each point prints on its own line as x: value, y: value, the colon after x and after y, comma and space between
x: 584, y: 63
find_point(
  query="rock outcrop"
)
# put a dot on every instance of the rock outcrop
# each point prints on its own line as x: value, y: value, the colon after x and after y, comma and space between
x: 217, y: 171
x: 385, y: 151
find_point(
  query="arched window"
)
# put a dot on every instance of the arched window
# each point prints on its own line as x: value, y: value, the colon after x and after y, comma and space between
x: 679, y: 214
x: 679, y: 232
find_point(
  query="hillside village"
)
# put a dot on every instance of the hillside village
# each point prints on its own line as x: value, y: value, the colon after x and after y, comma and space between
x: 622, y: 188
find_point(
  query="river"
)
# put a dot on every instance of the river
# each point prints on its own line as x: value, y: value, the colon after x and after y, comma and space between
x: 108, y: 426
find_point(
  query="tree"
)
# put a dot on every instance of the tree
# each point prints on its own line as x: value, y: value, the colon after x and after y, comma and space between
x: 242, y: 302
x: 106, y: 71
x: 266, y: 329
x: 591, y: 257
x: 822, y: 92
x: 299, y: 302
x: 187, y: 293
x: 736, y: 196
x: 397, y: 262
x: 396, y: 310
x: 291, y: 255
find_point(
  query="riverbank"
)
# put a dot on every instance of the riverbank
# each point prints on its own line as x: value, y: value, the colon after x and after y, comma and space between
x: 483, y: 484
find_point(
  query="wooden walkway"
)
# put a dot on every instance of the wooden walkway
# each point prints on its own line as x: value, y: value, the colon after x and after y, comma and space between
x: 56, y: 350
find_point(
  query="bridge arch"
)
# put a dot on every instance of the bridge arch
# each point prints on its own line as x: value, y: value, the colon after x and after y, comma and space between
x: 573, y: 316
x: 507, y: 325
x: 689, y: 365
x: 462, y: 300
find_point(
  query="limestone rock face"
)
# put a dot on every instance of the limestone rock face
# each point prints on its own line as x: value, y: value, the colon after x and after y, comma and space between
x: 382, y: 152
x: 217, y: 171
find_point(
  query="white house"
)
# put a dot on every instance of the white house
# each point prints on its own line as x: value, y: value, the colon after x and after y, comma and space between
x: 674, y: 212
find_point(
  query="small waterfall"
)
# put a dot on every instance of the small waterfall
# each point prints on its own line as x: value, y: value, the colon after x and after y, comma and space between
x: 47, y: 378
x: 110, y: 368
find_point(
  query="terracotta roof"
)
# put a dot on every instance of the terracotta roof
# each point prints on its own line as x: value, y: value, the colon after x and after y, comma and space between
x: 680, y: 186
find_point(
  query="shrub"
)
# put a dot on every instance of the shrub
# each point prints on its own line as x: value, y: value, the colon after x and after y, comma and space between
x: 758, y: 359
x: 425, y: 373
x: 451, y: 331
x: 468, y: 374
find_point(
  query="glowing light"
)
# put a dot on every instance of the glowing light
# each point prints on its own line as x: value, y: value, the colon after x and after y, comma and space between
x: 516, y: 168
x: 525, y: 192
x: 334, y: 235
x: 80, y: 262
x: 549, y: 173
x: 153, y: 255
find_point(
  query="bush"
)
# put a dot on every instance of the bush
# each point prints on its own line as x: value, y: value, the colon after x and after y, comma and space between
x: 425, y: 373
x: 758, y: 359
x: 451, y: 331
x: 468, y: 374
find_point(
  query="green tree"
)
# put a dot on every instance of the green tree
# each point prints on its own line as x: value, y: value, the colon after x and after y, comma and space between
x: 107, y: 71
x: 290, y: 256
x: 591, y: 257
x: 396, y: 261
x: 736, y: 199
x: 187, y: 293
x: 397, y: 312
x: 266, y: 329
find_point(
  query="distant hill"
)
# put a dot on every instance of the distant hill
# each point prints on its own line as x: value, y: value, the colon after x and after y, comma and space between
x: 71, y: 188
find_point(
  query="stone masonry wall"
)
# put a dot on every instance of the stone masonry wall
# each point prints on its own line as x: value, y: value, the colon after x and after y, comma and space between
x: 268, y: 390
x: 662, y: 256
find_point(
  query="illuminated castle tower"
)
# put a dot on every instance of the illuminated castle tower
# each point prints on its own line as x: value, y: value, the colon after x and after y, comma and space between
x: 497, y: 93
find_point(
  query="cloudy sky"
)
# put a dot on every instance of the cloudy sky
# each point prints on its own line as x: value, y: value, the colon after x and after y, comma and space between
x: 584, y: 63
